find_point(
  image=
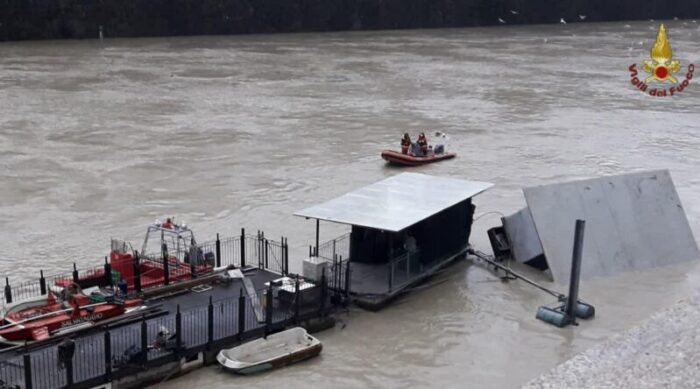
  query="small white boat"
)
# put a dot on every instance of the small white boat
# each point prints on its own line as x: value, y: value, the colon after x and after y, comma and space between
x: 280, y: 349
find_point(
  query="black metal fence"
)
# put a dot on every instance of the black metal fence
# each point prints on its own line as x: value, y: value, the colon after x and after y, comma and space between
x: 337, y: 253
x: 336, y: 248
x: 109, y: 353
x: 240, y: 251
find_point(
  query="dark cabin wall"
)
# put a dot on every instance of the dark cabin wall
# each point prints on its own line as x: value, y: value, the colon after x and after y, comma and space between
x: 436, y: 237
x: 56, y: 19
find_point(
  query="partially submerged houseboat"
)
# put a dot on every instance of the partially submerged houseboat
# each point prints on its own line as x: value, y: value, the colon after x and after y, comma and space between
x: 402, y: 230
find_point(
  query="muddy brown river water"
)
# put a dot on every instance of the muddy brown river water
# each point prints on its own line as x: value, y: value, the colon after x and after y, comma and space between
x: 99, y: 139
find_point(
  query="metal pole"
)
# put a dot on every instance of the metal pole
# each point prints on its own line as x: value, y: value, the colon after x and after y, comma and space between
x: 347, y: 276
x: 8, y: 290
x: 575, y: 270
x: 242, y: 247
x: 166, y: 266
x: 210, y: 324
x: 286, y: 256
x: 485, y: 258
x: 144, y: 340
x: 108, y: 272
x: 241, y: 315
x: 218, y: 251
x: 42, y: 283
x: 268, y: 311
x: 108, y: 355
x: 317, y: 236
x: 297, y: 298
x: 178, y: 328
x: 137, y: 272
x: 324, y: 291
x: 267, y: 249
x: 27, y: 371
x: 75, y: 273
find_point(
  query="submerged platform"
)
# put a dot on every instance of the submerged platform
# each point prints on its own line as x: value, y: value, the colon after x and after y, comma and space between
x: 634, y: 221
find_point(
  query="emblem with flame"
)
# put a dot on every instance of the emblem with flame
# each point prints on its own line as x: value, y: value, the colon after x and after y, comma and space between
x: 661, y: 68
x: 662, y: 65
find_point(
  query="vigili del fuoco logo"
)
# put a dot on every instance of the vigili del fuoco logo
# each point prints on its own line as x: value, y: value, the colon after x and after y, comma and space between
x: 661, y: 69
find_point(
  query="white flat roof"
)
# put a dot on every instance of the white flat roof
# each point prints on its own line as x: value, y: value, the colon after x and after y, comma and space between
x: 396, y: 202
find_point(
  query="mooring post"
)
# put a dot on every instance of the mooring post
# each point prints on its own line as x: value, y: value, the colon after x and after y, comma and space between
x: 42, y: 282
x: 75, y: 273
x: 575, y: 271
x: 108, y: 272
x: 27, y: 359
x: 218, y: 251
x: 241, y: 315
x: 178, y: 327
x: 166, y: 265
x: 210, y: 324
x: 242, y: 247
x: 137, y: 271
x: 8, y: 290
x: 108, y: 355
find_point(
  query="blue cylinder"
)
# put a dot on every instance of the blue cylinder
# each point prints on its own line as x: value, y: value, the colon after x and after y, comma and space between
x: 584, y: 311
x: 552, y: 316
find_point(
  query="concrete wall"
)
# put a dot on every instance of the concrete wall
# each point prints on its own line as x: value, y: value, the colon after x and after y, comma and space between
x: 55, y: 19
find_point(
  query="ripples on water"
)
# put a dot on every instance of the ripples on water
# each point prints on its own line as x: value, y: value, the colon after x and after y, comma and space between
x: 96, y: 141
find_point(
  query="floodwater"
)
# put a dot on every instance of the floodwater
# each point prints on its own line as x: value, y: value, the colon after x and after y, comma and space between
x: 99, y: 139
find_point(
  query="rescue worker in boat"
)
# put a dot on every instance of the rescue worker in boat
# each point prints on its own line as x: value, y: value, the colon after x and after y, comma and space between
x: 423, y: 144
x: 168, y: 224
x: 405, y: 143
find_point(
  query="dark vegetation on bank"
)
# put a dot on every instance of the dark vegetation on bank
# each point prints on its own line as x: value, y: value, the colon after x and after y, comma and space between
x: 56, y: 19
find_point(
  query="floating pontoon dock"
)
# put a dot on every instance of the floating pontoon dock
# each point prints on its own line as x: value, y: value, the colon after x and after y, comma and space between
x: 403, y: 229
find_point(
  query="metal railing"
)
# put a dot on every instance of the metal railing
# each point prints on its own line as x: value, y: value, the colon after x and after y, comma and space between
x: 337, y: 253
x: 338, y: 247
x: 240, y: 251
x: 101, y: 355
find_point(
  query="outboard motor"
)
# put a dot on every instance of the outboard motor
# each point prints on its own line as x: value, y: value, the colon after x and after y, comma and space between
x: 499, y: 243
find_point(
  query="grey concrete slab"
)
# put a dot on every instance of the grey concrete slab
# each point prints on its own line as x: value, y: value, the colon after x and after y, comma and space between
x: 633, y: 221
